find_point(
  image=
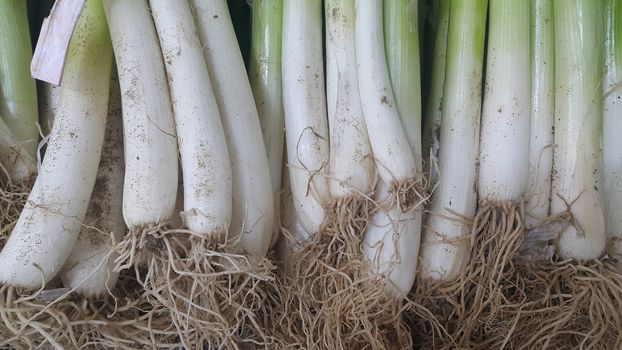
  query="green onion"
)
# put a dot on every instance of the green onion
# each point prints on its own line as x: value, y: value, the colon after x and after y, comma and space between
x: 542, y: 112
x: 401, y: 41
x: 265, y: 78
x: 445, y: 244
x: 504, y: 140
x: 579, y: 66
x: 433, y: 113
x: 18, y: 91
x: 304, y: 103
x: 50, y: 222
x: 612, y: 128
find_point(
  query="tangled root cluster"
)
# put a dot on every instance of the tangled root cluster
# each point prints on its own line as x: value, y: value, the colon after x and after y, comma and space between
x: 57, y: 318
x: 330, y: 298
x: 212, y: 297
x: 502, y: 300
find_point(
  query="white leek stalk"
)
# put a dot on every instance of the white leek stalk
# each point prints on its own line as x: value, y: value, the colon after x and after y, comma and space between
x: 253, y: 207
x: 90, y: 267
x: 204, y: 157
x: 304, y: 103
x: 401, y: 39
x: 434, y: 110
x: 50, y: 222
x: 612, y: 129
x: 265, y: 78
x: 395, y: 160
x: 542, y: 112
x: 352, y: 168
x: 579, y: 67
x: 18, y: 91
x: 150, y: 185
x: 445, y: 242
x: 504, y: 140
x: 391, y: 242
x: 294, y: 232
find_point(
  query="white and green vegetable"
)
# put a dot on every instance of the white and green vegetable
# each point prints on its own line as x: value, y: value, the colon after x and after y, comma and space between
x: 445, y: 242
x: 150, y: 142
x: 205, y: 161
x: 352, y: 168
x: 252, y: 207
x: 577, y: 167
x: 89, y: 270
x: 304, y: 103
x: 612, y: 129
x: 266, y: 82
x: 50, y: 222
x: 392, y: 240
x: 538, y: 193
x: 18, y: 91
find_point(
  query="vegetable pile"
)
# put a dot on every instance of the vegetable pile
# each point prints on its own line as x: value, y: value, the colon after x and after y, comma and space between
x: 337, y: 174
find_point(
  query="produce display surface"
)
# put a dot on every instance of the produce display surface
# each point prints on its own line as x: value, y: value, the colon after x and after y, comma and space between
x: 308, y: 174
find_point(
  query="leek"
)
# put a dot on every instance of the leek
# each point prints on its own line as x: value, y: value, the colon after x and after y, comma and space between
x: 433, y: 113
x: 265, y: 78
x: 304, y: 103
x: 579, y: 67
x: 150, y: 184
x: 252, y: 207
x: 504, y: 140
x: 542, y: 112
x: 50, y: 222
x: 612, y: 128
x: 392, y: 240
x: 352, y: 169
x: 205, y: 164
x: 445, y: 242
x: 18, y: 91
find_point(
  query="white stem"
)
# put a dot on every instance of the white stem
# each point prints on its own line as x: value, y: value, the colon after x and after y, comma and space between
x: 434, y: 111
x: 253, y: 207
x: 391, y: 245
x: 266, y: 82
x: 504, y: 140
x: 304, y: 103
x: 612, y: 129
x: 445, y: 242
x: 352, y: 168
x: 542, y: 112
x: 150, y: 184
x: 204, y: 157
x: 289, y: 222
x: 394, y: 159
x: 577, y: 163
x: 50, y: 222
x: 86, y: 270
